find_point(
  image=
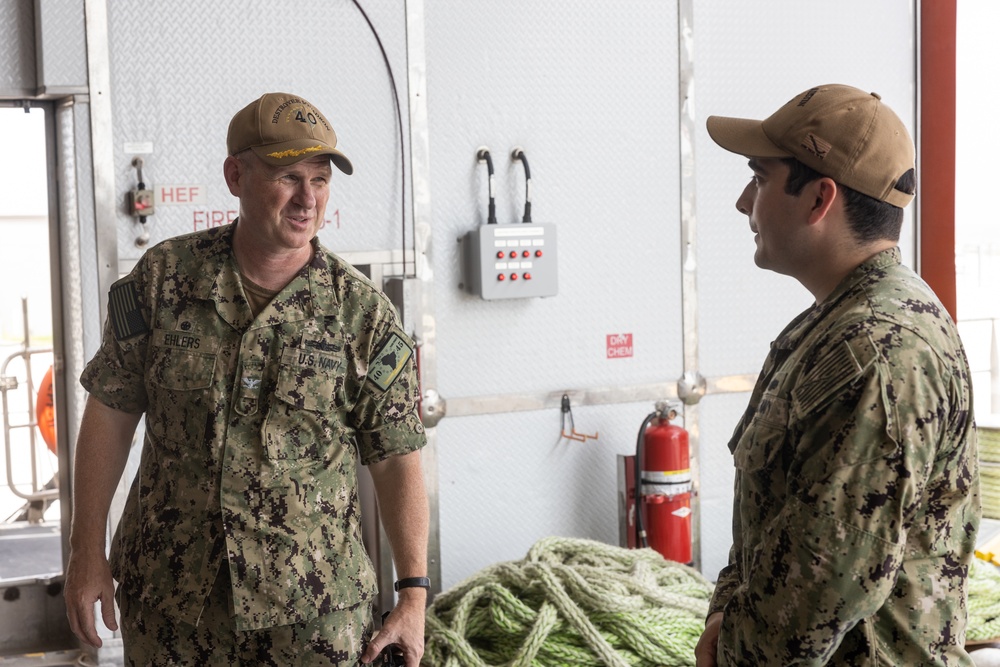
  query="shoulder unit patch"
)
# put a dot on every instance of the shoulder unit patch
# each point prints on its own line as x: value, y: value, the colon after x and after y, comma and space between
x: 393, y: 353
x: 123, y: 311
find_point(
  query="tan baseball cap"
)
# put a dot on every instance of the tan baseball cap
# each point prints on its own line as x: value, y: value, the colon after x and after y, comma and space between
x: 282, y: 129
x: 840, y: 131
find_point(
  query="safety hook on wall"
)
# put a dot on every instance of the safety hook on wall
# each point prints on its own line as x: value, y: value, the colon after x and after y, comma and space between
x: 567, y: 417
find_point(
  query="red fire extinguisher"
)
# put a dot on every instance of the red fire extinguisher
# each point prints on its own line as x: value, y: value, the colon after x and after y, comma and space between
x: 663, y: 486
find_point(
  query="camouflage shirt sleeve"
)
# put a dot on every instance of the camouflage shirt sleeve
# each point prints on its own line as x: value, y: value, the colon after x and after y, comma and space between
x: 385, y: 416
x: 858, y: 439
x: 116, y: 374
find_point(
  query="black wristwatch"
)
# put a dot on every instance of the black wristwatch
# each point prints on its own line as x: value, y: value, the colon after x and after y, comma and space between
x: 412, y: 582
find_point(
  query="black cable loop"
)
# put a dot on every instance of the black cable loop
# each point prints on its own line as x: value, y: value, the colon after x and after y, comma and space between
x: 484, y: 156
x: 402, y: 147
x: 518, y: 154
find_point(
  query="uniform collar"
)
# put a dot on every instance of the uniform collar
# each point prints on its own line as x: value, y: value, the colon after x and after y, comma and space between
x: 870, y: 270
x: 309, y: 294
x: 866, y: 273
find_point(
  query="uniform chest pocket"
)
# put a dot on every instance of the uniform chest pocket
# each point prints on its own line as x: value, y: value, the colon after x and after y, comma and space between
x: 308, y: 410
x: 182, y: 370
x: 179, y: 384
x: 764, y: 435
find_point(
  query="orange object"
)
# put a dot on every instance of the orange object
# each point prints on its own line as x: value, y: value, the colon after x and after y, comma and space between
x: 45, y: 411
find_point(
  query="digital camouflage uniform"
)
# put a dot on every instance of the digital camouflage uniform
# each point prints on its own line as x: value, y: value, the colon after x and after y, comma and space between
x: 253, y: 427
x: 857, y: 486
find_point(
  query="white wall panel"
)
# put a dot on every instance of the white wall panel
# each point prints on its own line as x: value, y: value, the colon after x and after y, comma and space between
x: 508, y: 480
x: 750, y: 58
x: 180, y: 70
x: 60, y: 53
x: 589, y: 91
x: 17, y: 49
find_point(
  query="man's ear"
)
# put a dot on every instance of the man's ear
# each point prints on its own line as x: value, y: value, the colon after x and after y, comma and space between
x: 823, y: 192
x: 234, y: 171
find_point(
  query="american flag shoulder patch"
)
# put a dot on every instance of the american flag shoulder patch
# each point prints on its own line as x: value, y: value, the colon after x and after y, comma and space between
x: 123, y: 311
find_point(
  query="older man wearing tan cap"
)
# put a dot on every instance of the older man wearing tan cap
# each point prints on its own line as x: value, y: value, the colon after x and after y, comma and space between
x: 857, y: 488
x: 265, y: 366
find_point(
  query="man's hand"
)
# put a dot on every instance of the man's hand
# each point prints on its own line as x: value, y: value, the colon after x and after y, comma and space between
x: 402, y: 507
x: 102, y: 448
x: 88, y: 580
x: 404, y: 628
x: 707, y: 650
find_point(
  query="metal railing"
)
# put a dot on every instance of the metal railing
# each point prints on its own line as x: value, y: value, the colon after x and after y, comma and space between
x: 973, y: 336
x: 40, y: 493
x: 994, y: 359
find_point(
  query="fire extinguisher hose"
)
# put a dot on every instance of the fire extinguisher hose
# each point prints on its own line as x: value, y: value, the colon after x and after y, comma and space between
x: 571, y: 602
x: 640, y: 530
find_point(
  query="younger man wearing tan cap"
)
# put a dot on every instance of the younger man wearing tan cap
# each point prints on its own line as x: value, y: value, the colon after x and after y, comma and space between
x: 265, y: 365
x: 857, y: 486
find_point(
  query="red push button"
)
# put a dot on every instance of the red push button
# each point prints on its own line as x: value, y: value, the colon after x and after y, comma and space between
x: 513, y: 254
x: 499, y: 254
x: 513, y: 276
x: 527, y: 276
x: 538, y: 253
x: 525, y: 254
x: 501, y: 277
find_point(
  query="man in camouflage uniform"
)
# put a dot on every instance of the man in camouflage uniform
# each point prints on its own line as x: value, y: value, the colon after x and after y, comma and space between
x: 265, y: 365
x: 857, y: 485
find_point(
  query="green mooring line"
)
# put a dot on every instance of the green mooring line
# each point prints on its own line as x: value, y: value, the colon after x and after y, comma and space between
x: 571, y: 602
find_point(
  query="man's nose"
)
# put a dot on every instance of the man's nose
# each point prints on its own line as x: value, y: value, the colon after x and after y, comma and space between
x: 745, y: 202
x: 304, y: 195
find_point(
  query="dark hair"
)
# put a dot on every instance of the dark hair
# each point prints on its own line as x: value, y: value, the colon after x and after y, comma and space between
x: 870, y: 218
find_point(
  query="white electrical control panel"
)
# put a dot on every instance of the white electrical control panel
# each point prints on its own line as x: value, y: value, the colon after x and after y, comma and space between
x: 514, y: 261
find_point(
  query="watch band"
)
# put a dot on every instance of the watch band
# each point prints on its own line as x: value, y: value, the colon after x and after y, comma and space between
x: 412, y: 582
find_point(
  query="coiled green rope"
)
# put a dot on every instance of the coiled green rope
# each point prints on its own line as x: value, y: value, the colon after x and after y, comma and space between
x: 984, y: 601
x: 571, y: 602
x: 989, y: 472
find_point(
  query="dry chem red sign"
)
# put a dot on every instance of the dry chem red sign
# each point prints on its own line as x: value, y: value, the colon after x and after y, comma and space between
x: 619, y: 345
